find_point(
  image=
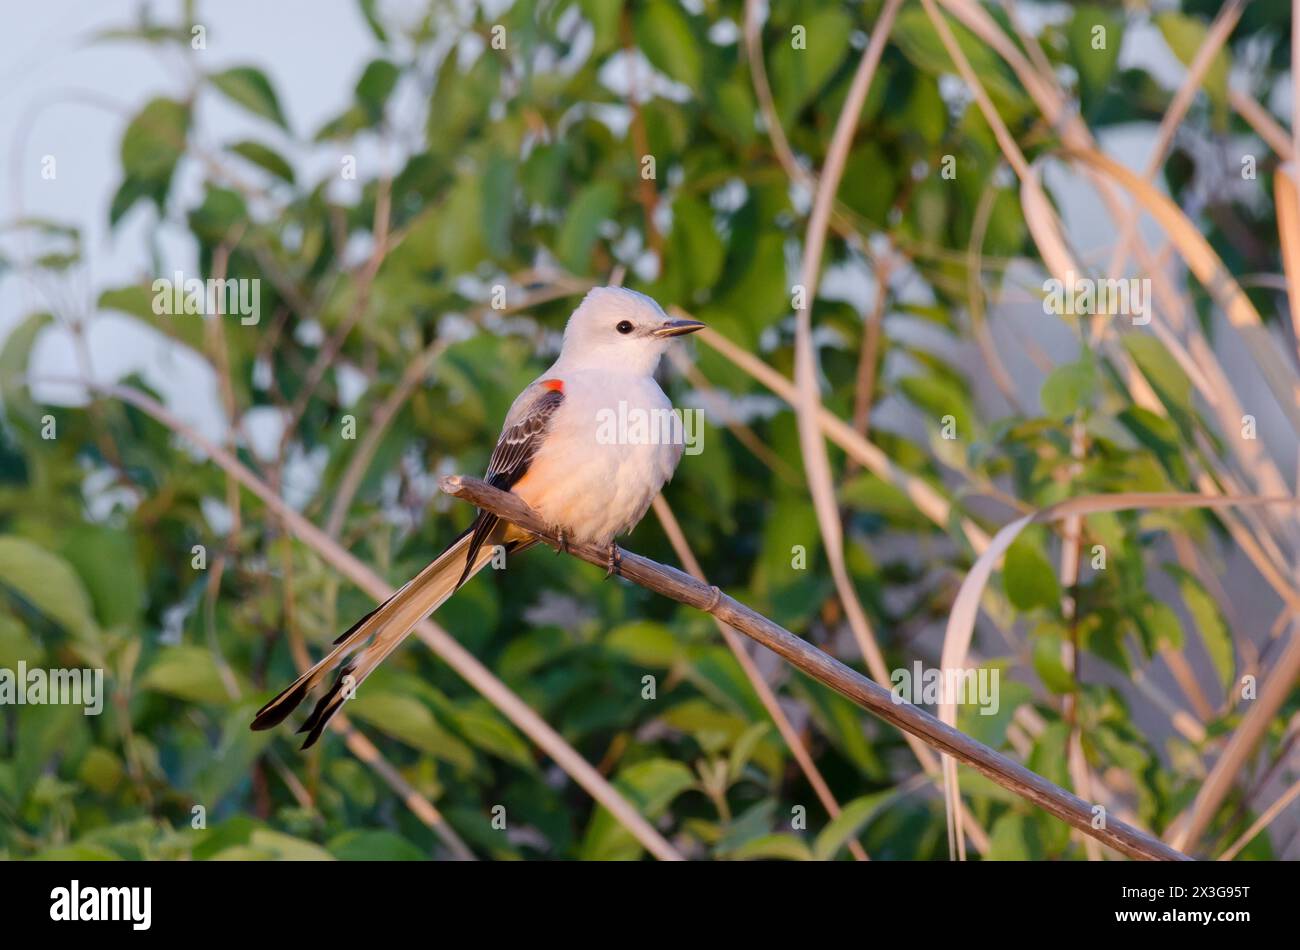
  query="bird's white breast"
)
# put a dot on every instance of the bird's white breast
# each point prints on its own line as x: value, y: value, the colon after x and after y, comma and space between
x: 606, y: 455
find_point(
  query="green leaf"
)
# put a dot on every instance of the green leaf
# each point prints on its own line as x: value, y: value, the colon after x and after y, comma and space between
x: 1028, y: 577
x: 264, y: 158
x: 1069, y: 389
x: 786, y: 572
x: 869, y: 186
x: 44, y: 735
x: 409, y: 720
x: 461, y: 103
x: 651, y: 785
x: 109, y: 565
x: 250, y: 88
x: 77, y: 852
x: 132, y: 191
x: 799, y: 74
x: 225, y: 769
x: 711, y: 727
x: 267, y: 845
x: 1013, y: 838
x: 1048, y: 755
x: 697, y: 250
x: 979, y: 721
x: 644, y: 642
x: 743, y: 749
x: 344, y: 125
x: 603, y: 16
x: 222, y: 211
x: 773, y: 847
x: 734, y: 107
x: 938, y: 396
x: 1094, y: 38
x: 373, y: 846
x: 1186, y: 35
x: 498, y: 204
x: 664, y: 35
x: 186, y: 672
x: 871, y: 493
x: 16, y: 643
x: 369, y: 10
x: 1049, y: 665
x: 1163, y: 625
x: 15, y: 352
x: 101, y: 770
x: 375, y: 86
x: 460, y: 239
x: 48, y: 583
x: 530, y: 651
x: 154, y: 140
x: 915, y: 35
x: 1213, y: 628
x: 594, y: 205
x: 1161, y: 369
x: 841, y: 722
x: 482, y: 726
x: 847, y: 825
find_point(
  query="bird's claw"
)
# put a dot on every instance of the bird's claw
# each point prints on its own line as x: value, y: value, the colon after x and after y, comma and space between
x: 561, y: 542
x: 614, y: 562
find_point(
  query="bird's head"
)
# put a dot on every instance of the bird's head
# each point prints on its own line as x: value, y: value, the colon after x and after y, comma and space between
x: 620, y: 330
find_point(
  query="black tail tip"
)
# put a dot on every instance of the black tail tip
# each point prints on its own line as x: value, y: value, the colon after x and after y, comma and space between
x: 278, y: 709
x: 326, y: 708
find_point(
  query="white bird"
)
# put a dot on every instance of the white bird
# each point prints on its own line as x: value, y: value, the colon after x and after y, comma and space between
x: 556, y: 453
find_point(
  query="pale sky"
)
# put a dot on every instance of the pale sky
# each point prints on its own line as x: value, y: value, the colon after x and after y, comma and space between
x: 62, y: 94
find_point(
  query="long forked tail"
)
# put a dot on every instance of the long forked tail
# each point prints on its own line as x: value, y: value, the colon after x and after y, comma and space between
x: 388, y: 624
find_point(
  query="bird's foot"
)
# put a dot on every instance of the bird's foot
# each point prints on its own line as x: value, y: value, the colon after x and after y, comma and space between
x: 614, y: 561
x: 561, y: 542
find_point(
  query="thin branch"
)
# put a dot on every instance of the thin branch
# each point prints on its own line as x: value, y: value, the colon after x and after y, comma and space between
x: 360, y: 745
x: 647, y: 194
x: 1215, y: 38
x: 1273, y: 693
x: 1262, y: 822
x: 864, y: 390
x: 766, y: 105
x: 975, y: 301
x: 1265, y: 126
x: 808, y: 402
x: 828, y: 671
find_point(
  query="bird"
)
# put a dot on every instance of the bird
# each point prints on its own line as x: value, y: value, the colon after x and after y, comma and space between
x: 555, y: 452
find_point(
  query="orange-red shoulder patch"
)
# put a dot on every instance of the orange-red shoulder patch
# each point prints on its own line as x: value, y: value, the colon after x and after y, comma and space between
x: 554, y: 385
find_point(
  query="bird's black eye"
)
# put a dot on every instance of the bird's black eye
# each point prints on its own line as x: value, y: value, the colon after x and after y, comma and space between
x: 624, y: 326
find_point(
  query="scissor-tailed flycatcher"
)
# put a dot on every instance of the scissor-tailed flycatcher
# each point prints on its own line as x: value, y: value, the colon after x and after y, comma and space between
x: 553, y: 454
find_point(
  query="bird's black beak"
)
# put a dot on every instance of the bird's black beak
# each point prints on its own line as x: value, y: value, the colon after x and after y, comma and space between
x: 678, y: 328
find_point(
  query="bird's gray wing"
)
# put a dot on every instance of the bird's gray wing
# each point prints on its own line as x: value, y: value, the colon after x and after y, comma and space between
x: 526, y: 426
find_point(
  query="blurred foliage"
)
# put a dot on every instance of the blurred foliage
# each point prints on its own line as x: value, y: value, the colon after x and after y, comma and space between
x: 528, y: 169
